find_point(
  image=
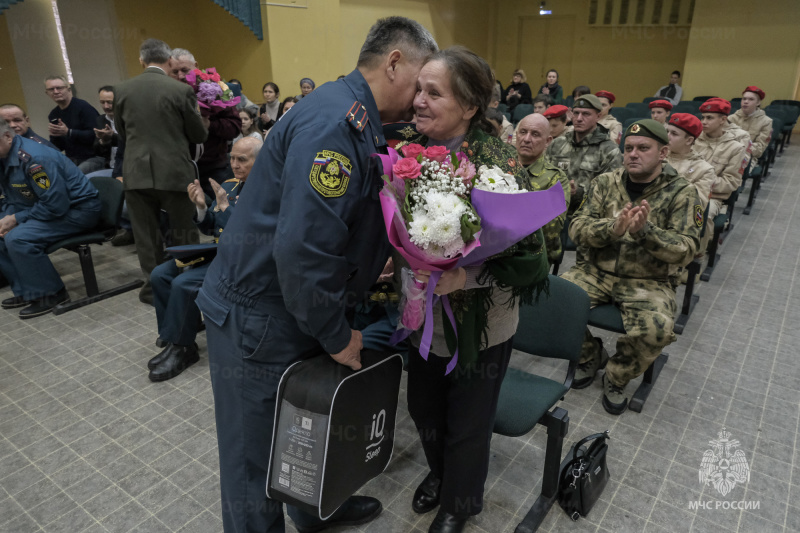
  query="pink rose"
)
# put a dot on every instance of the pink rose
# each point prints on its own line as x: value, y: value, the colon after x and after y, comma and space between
x: 466, y: 170
x: 412, y: 150
x: 407, y: 169
x: 436, y: 153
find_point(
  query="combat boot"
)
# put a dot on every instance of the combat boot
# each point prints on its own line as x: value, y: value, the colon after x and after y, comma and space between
x: 584, y: 375
x: 615, y: 401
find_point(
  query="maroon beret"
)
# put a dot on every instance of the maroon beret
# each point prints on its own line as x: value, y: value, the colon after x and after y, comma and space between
x: 556, y: 111
x: 688, y: 123
x: 606, y: 94
x: 716, y: 105
x: 661, y: 103
x: 753, y: 89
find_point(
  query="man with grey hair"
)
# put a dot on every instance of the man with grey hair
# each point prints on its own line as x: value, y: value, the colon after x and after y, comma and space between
x: 18, y: 119
x: 157, y: 118
x: 181, y: 63
x: 311, y: 201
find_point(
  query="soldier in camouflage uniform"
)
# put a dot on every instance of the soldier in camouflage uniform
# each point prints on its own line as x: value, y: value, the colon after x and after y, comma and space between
x: 533, y: 138
x: 640, y: 225
x: 586, y: 152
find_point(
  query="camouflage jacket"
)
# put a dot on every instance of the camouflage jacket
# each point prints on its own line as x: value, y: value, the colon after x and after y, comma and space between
x: 541, y: 175
x: 613, y: 126
x: 696, y: 171
x: 758, y: 125
x: 585, y: 160
x: 668, y: 240
x: 729, y: 159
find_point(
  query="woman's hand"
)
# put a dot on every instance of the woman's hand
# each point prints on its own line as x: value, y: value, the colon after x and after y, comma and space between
x: 451, y: 281
x: 545, y: 90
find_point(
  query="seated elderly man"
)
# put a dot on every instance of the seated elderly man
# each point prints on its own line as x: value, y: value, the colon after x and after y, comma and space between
x: 533, y: 138
x: 45, y: 198
x: 174, y: 290
x: 21, y: 124
x: 638, y: 225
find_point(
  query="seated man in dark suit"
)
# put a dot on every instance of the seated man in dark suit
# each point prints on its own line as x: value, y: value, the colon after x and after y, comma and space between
x: 174, y: 290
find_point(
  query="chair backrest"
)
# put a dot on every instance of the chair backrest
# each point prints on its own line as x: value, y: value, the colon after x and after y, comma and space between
x: 568, y: 101
x: 521, y: 111
x: 793, y: 103
x: 640, y: 110
x: 621, y: 113
x: 650, y: 99
x: 736, y: 100
x: 553, y: 327
x: 702, y: 99
x: 111, y: 197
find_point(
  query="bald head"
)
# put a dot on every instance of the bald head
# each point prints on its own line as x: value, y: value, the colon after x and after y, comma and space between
x: 533, y: 138
x: 243, y: 155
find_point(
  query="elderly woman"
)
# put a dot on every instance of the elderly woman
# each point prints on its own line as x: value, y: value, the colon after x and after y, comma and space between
x: 454, y: 413
x: 306, y: 86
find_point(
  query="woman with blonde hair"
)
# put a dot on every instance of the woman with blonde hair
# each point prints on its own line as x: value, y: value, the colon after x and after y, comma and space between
x: 519, y: 92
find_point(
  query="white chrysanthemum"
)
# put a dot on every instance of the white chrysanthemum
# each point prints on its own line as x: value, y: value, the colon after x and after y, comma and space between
x: 495, y: 180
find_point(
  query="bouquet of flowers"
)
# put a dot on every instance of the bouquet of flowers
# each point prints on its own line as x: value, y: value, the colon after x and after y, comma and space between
x: 213, y: 94
x: 440, y: 213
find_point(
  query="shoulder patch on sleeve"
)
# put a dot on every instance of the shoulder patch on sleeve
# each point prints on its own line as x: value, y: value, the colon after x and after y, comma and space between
x: 39, y: 176
x: 330, y: 174
x: 698, y: 216
x: 357, y: 116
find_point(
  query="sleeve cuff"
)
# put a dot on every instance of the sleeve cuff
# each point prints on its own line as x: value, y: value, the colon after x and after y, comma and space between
x: 472, y: 278
x: 338, y: 341
x: 201, y: 214
x: 21, y: 216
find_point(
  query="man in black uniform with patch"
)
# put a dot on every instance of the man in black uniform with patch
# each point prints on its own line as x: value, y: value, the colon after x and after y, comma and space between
x: 304, y: 245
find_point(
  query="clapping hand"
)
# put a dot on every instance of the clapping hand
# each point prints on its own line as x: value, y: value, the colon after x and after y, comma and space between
x: 631, y: 219
x: 220, y: 194
x: 545, y: 90
x: 196, y: 194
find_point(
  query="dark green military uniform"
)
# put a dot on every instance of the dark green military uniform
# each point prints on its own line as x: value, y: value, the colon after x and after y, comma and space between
x: 541, y: 175
x: 637, y: 272
x: 584, y: 160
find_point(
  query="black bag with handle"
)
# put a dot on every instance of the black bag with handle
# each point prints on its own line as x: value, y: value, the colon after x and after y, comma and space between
x: 583, y: 476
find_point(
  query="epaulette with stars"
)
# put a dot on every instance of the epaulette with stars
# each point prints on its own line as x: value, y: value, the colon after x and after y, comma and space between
x: 357, y: 116
x: 24, y: 157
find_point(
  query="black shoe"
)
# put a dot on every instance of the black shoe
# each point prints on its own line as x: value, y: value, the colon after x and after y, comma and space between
x: 44, y: 305
x: 146, y: 296
x: 123, y: 238
x: 161, y: 343
x: 426, y: 497
x: 586, y: 372
x: 13, y: 303
x: 447, y: 523
x: 360, y: 510
x: 157, y: 360
x: 175, y: 360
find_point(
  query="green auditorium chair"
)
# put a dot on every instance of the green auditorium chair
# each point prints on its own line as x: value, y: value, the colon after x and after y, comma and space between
x: 650, y: 99
x: 690, y: 299
x: 111, y: 196
x: 792, y: 103
x: 640, y: 110
x: 520, y: 112
x: 720, y: 223
x: 553, y: 328
x: 609, y: 317
x: 702, y: 99
x: 687, y: 107
x: 621, y: 113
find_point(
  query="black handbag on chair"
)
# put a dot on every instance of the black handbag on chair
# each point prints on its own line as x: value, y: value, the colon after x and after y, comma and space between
x: 583, y: 475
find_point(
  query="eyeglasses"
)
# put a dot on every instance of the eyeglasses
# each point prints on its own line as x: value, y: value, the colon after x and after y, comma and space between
x: 54, y: 89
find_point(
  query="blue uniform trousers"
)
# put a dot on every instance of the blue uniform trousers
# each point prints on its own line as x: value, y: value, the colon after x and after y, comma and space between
x: 174, y: 292
x: 22, y: 251
x: 248, y: 352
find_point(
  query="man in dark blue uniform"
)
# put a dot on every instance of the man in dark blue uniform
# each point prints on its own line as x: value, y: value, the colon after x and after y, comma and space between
x: 175, y: 287
x: 45, y: 199
x: 301, y: 250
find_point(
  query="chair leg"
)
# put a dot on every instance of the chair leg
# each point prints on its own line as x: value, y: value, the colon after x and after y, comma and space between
x: 650, y: 377
x: 754, y: 186
x: 87, y: 266
x: 713, y: 256
x: 557, y: 422
x: 689, y: 298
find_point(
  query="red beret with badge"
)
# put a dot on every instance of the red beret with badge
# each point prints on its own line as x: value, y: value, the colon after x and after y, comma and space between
x: 607, y: 95
x: 688, y: 123
x: 556, y: 111
x: 661, y: 103
x: 753, y: 89
x: 716, y: 105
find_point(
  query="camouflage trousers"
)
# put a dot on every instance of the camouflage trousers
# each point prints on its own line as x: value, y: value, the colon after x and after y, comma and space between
x: 648, y: 313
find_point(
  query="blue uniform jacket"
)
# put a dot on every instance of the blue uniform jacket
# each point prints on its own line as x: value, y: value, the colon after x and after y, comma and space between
x: 307, y: 240
x: 214, y: 221
x: 39, y: 183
